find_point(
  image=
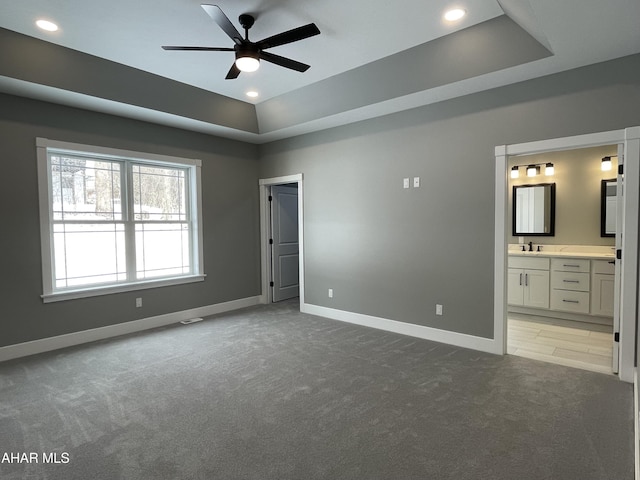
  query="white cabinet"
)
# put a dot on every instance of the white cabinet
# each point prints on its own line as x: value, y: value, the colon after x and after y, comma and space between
x: 602, y: 288
x: 570, y: 285
x: 583, y: 286
x: 528, y: 282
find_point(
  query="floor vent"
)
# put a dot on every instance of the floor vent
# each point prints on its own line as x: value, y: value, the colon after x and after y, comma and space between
x: 191, y: 320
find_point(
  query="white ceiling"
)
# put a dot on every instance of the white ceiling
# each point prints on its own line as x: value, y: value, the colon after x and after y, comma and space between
x: 354, y: 33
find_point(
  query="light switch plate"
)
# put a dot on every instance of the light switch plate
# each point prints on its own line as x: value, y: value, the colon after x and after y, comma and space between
x: 416, y: 182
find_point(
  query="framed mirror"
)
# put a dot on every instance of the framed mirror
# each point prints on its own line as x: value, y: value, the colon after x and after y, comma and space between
x: 608, y: 207
x: 534, y: 209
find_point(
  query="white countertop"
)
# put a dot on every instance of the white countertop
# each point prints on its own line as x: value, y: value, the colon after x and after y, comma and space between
x: 596, y: 252
x: 593, y: 255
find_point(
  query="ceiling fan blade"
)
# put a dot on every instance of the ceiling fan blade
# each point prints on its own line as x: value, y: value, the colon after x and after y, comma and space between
x: 284, y: 62
x: 223, y: 21
x: 289, y: 36
x: 198, y: 49
x: 233, y: 72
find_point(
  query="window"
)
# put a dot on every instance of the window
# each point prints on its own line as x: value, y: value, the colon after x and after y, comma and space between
x: 113, y: 220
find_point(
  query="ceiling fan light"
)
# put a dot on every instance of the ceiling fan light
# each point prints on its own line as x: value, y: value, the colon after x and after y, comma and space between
x: 247, y: 64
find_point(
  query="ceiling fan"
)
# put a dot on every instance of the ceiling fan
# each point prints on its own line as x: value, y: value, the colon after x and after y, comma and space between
x: 248, y: 53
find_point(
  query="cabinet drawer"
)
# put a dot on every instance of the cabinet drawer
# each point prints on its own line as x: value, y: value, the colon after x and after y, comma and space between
x: 570, y: 265
x: 570, y: 281
x: 533, y: 263
x: 603, y: 266
x: 570, y: 301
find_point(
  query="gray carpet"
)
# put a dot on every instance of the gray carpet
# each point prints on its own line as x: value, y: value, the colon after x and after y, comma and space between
x: 269, y: 393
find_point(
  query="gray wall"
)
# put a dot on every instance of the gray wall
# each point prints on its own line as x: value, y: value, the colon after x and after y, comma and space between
x: 230, y: 217
x: 66, y: 69
x: 578, y: 179
x: 385, y: 251
x: 395, y: 253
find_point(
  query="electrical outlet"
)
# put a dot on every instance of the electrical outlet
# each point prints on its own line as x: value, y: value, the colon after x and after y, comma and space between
x: 138, y: 302
x: 331, y: 293
x: 405, y: 182
x: 438, y: 309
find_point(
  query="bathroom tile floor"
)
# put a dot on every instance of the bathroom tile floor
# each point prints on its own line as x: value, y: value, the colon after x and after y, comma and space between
x: 573, y: 344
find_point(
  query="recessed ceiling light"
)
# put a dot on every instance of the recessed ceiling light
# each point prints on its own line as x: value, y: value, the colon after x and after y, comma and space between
x: 47, y: 25
x: 454, y: 14
x: 252, y: 94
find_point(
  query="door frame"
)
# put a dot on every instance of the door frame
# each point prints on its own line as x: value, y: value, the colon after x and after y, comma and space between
x: 265, y: 184
x: 630, y: 138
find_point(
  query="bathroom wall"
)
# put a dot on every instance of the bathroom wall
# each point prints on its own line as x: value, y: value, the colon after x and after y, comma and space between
x: 578, y: 179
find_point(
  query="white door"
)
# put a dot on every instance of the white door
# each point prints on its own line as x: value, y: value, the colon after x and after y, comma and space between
x: 617, y: 284
x: 284, y: 242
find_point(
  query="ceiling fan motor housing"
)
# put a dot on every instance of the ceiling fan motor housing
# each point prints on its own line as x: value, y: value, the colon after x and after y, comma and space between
x: 247, y: 50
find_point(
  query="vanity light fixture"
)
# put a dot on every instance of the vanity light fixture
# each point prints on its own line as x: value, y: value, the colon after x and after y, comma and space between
x: 533, y: 169
x: 548, y: 169
x: 606, y: 164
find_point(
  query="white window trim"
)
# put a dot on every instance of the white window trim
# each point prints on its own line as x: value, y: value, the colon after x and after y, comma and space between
x: 44, y: 191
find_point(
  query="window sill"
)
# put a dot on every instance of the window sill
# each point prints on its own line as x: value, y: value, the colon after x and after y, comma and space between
x: 120, y: 288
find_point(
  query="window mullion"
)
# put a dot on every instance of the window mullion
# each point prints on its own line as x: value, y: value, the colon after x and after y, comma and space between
x: 190, y: 218
x: 129, y: 224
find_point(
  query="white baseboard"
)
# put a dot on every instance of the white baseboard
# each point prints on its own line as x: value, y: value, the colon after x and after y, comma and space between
x: 76, y: 338
x: 428, y: 333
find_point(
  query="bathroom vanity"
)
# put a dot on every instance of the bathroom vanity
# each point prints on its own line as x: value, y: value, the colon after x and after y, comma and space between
x: 571, y: 282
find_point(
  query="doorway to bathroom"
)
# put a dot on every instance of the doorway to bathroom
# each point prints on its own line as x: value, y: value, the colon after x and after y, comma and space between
x: 576, y: 290
x: 561, y: 263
